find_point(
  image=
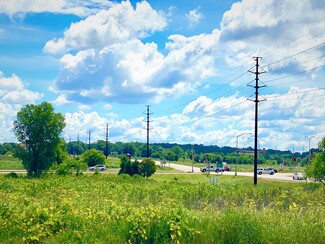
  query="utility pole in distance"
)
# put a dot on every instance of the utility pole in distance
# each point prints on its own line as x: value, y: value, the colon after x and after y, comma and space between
x: 106, y: 148
x: 257, y: 73
x: 89, y: 141
x: 148, y: 128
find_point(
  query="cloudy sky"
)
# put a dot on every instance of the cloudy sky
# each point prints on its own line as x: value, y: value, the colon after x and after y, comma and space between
x: 101, y: 62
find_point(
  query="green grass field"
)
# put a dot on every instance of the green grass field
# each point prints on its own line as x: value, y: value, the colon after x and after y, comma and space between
x: 173, y: 208
x: 10, y: 162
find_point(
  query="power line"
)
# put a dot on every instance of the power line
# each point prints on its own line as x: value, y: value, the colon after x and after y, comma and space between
x: 295, y: 54
x: 307, y: 79
x: 186, y: 103
x: 297, y: 93
x: 293, y: 41
x: 298, y: 73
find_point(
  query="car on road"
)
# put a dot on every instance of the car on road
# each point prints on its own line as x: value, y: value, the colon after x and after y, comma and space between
x: 275, y: 171
x: 208, y: 168
x: 100, y: 167
x: 298, y: 176
x: 268, y: 171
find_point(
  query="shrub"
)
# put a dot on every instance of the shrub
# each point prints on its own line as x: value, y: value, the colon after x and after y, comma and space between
x: 11, y: 175
x: 93, y: 157
x: 148, y: 167
x: 69, y: 166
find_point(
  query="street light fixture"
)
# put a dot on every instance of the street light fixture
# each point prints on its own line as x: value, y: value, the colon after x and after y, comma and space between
x: 237, y: 150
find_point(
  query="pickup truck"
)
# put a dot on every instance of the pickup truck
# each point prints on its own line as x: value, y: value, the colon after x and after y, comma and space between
x: 221, y: 167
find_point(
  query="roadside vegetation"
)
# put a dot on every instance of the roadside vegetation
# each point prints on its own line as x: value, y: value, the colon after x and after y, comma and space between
x: 107, y: 208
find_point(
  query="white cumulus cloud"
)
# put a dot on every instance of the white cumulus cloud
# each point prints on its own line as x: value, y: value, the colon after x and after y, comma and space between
x: 108, y: 27
x: 194, y: 16
x: 77, y: 7
x: 13, y: 95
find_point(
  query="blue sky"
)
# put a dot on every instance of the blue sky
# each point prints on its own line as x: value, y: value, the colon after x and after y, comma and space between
x: 101, y: 62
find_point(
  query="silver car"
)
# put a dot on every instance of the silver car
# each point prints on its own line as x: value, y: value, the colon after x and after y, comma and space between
x: 98, y: 166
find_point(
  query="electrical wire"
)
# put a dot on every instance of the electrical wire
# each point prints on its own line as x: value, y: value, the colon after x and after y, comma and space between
x: 208, y: 93
x: 295, y: 54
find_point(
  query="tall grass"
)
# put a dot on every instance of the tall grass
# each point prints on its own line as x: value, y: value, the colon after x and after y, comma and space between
x: 120, y: 209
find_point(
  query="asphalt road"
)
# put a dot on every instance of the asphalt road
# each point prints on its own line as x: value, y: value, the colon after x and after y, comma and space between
x: 276, y: 176
x: 188, y: 169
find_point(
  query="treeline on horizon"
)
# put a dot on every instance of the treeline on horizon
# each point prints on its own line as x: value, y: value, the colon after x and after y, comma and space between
x: 175, y: 152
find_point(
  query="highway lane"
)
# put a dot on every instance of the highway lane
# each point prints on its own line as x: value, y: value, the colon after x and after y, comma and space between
x: 188, y: 169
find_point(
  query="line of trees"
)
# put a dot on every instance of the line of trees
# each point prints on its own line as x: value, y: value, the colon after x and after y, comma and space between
x: 175, y: 152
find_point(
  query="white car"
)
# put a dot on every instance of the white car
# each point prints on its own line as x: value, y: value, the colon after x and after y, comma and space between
x: 298, y: 176
x: 268, y: 171
x: 98, y: 166
x: 208, y: 168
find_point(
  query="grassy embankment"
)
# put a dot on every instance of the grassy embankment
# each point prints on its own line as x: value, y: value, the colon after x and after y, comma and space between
x: 107, y: 208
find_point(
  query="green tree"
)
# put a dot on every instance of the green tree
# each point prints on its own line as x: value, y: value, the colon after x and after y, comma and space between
x: 61, y: 152
x: 135, y: 168
x: 125, y: 165
x: 179, y: 152
x: 316, y: 170
x: 38, y: 128
x: 93, y: 157
x: 148, y: 167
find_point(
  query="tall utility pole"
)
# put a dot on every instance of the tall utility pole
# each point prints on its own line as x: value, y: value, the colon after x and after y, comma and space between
x: 89, y: 141
x: 257, y: 73
x: 148, y: 128
x: 106, y: 149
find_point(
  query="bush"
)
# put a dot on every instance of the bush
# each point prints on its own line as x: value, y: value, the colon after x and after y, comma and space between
x: 11, y: 175
x: 69, y: 166
x: 148, y: 167
x: 316, y: 170
x: 93, y: 157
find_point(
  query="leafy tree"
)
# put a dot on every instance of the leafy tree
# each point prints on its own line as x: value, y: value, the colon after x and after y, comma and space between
x: 38, y: 127
x: 7, y: 147
x: 61, y: 152
x: 93, y: 157
x: 148, y: 167
x: 316, y: 170
x: 143, y: 150
x: 130, y: 148
x: 69, y: 166
x: 178, y: 151
x: 135, y: 168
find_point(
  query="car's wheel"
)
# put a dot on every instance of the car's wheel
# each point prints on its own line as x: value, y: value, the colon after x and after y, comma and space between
x: 203, y: 170
x: 259, y: 173
x: 272, y: 173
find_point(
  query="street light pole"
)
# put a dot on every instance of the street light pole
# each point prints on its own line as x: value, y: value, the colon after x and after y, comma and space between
x: 237, y: 150
x: 309, y: 148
